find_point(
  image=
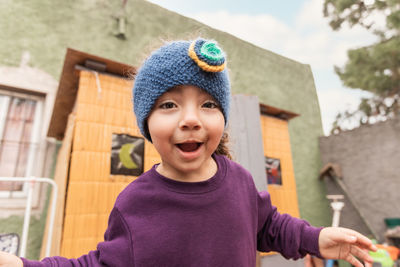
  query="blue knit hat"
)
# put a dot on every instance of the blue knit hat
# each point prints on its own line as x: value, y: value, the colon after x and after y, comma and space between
x: 199, y: 62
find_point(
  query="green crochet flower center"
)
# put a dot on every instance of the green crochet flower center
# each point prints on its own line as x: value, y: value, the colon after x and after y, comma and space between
x: 211, y: 51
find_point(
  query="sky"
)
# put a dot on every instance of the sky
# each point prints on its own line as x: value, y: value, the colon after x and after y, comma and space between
x: 295, y: 29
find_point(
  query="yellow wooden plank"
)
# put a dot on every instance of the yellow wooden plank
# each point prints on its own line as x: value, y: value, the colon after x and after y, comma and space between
x: 60, y: 177
x: 66, y: 248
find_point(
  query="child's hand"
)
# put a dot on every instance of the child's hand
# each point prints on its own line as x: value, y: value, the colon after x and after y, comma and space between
x: 345, y: 244
x: 9, y: 260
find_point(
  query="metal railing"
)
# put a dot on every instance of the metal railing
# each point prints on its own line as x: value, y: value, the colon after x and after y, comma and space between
x: 28, y: 208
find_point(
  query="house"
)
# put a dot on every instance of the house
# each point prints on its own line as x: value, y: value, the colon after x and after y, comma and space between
x: 126, y: 33
x: 361, y: 165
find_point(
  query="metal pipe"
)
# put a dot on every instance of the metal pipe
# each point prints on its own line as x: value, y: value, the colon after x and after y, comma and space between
x: 52, y: 216
x: 337, y: 207
x: 27, y: 219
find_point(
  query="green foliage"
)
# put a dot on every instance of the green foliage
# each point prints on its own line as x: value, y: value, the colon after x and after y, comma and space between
x: 370, y: 110
x: 374, y: 68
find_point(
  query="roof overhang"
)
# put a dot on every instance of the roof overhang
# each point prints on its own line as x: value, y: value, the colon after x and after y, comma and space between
x: 68, y: 85
x: 332, y: 170
x: 276, y: 112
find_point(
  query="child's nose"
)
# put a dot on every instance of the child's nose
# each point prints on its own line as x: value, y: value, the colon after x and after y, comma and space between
x: 190, y: 120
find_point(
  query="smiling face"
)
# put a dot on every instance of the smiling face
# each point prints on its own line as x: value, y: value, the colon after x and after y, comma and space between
x: 186, y: 126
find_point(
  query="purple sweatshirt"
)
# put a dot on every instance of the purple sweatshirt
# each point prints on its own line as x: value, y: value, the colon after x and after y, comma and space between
x: 157, y: 221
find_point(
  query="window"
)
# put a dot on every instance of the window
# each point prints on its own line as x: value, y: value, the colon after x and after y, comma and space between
x: 127, y: 155
x: 273, y: 171
x: 19, y: 138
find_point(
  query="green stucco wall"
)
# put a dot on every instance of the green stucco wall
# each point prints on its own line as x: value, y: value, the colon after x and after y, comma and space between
x: 45, y: 28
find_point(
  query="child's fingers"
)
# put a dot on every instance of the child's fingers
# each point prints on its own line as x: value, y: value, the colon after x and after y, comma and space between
x: 361, y: 240
x: 351, y: 259
x: 361, y: 254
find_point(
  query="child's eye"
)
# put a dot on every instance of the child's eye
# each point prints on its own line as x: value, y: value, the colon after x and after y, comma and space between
x: 210, y: 104
x: 167, y: 105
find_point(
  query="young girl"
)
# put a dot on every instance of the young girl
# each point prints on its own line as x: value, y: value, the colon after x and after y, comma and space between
x: 197, y: 207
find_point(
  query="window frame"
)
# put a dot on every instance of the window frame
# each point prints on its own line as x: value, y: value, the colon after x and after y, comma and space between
x: 34, y: 138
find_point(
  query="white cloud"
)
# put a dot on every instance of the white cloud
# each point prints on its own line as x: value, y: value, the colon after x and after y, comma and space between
x: 327, y: 47
x: 262, y: 30
x: 333, y: 100
x: 311, y: 15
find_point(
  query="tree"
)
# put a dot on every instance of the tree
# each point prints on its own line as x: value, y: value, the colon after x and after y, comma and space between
x: 374, y: 68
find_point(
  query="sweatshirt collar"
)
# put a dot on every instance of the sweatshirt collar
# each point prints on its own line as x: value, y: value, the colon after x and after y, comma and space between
x: 193, y: 187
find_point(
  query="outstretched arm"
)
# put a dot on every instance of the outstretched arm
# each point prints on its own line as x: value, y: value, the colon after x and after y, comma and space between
x: 116, y: 250
x: 293, y: 238
x: 345, y: 244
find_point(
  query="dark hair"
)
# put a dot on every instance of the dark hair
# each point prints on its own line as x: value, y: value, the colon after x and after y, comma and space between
x: 223, y: 148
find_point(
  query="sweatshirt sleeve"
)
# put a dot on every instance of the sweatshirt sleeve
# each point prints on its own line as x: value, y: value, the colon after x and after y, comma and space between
x: 115, y: 250
x: 290, y: 236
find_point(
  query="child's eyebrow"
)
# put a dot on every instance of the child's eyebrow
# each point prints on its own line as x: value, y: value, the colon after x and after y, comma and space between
x: 165, y: 97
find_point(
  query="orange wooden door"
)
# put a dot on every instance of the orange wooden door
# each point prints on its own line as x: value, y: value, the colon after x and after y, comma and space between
x: 277, y: 145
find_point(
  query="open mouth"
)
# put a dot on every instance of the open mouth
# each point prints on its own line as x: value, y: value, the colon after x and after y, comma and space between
x: 189, y: 146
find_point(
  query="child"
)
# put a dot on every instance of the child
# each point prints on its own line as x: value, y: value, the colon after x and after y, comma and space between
x: 197, y: 207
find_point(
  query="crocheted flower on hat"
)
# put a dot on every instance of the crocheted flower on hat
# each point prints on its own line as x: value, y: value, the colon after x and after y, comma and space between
x: 207, y: 55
